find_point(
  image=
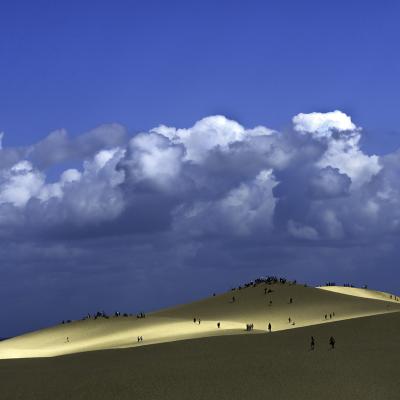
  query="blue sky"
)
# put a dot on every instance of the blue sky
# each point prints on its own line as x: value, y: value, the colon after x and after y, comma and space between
x: 95, y: 216
x: 77, y: 64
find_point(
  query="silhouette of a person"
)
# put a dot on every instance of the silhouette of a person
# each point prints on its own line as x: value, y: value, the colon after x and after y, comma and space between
x: 312, y: 342
x: 269, y: 327
x: 332, y: 342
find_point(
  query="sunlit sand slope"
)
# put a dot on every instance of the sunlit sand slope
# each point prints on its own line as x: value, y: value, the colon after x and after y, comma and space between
x: 279, y: 366
x: 359, y: 292
x: 250, y: 305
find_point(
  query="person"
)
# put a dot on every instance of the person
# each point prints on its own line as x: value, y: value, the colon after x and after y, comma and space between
x: 199, y: 321
x: 290, y: 300
x: 312, y: 342
x: 269, y: 327
x: 330, y: 316
x: 138, y: 339
x: 289, y: 319
x: 270, y: 302
x: 332, y: 342
x: 194, y: 320
x: 219, y: 325
x: 326, y: 316
x: 67, y: 339
x: 233, y: 299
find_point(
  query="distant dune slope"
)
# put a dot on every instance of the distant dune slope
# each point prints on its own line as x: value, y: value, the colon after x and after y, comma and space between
x: 359, y: 292
x: 233, y: 310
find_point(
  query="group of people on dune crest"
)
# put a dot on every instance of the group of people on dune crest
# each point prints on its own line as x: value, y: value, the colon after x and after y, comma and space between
x: 267, y: 279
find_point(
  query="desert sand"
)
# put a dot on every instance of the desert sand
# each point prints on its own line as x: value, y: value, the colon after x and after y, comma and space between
x: 179, y: 359
x: 278, y: 365
x: 251, y: 305
x: 360, y: 292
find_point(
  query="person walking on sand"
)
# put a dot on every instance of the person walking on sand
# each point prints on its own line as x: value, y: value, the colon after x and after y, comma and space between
x: 312, y: 342
x: 67, y: 341
x: 194, y: 320
x: 269, y: 327
x: 218, y: 325
x: 289, y: 319
x: 332, y: 342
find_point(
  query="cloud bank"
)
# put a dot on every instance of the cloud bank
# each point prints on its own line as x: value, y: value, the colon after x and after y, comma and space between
x: 215, y: 195
x: 216, y: 177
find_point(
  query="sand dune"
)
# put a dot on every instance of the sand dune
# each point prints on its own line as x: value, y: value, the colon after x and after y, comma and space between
x: 251, y: 306
x: 280, y: 365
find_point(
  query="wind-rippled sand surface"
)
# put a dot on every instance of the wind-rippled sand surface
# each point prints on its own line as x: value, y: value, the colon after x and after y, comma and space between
x: 364, y: 365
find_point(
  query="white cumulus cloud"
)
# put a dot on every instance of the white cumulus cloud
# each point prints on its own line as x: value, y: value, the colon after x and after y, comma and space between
x: 209, y: 133
x: 20, y: 183
x: 322, y: 124
x: 342, y: 138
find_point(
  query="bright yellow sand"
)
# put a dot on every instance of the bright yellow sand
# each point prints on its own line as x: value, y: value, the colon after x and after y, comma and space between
x: 251, y: 306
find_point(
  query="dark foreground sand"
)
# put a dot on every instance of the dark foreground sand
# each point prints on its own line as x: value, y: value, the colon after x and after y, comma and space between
x: 365, y: 365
